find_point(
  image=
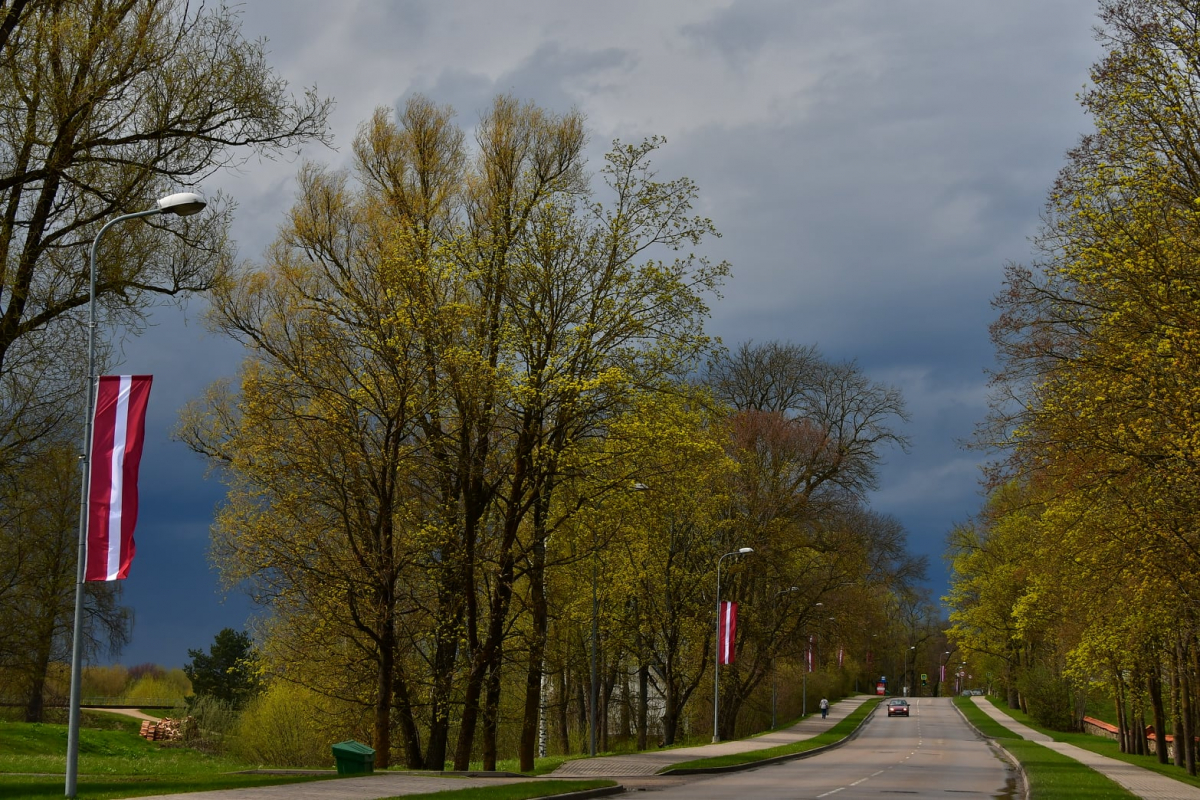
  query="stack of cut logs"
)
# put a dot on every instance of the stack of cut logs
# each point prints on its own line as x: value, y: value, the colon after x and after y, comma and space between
x: 166, y: 730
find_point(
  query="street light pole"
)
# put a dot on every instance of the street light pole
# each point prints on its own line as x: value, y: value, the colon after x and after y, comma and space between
x: 904, y: 677
x: 717, y: 645
x: 183, y: 204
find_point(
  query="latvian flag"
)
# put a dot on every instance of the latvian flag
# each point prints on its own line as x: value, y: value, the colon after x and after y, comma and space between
x: 118, y: 430
x: 726, y: 630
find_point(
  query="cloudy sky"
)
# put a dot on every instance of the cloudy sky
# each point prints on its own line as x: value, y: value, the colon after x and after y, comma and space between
x: 872, y: 165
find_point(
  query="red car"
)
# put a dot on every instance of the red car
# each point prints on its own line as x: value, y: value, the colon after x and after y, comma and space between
x: 897, y: 708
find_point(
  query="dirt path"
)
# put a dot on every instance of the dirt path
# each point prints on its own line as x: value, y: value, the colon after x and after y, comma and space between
x: 128, y: 712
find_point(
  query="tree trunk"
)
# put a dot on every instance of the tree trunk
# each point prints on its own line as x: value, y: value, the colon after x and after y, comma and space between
x: 408, y: 723
x: 1189, y: 710
x: 383, y: 688
x: 1177, y: 705
x: 491, y: 713
x: 643, y: 704
x: 1154, y: 686
x: 537, y: 648
x: 564, y: 700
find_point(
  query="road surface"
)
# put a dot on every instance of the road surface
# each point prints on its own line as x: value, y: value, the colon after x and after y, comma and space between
x: 932, y: 754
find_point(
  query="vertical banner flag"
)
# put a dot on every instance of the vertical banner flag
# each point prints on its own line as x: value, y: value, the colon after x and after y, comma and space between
x: 809, y: 655
x: 118, y: 430
x: 726, y: 630
x: 841, y: 656
x: 942, y: 674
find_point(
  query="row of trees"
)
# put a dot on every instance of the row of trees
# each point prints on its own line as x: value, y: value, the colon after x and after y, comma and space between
x: 1082, y: 569
x: 463, y: 366
x: 461, y: 363
x: 104, y: 107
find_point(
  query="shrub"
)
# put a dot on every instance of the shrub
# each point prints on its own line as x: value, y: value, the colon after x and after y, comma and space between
x: 286, y: 726
x: 214, y: 720
x: 109, y: 681
x: 1048, y: 698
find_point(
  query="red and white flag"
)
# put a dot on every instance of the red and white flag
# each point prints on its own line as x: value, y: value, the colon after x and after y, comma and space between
x: 809, y: 656
x: 726, y: 630
x: 118, y: 430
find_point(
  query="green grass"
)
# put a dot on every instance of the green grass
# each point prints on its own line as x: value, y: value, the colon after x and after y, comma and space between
x: 113, y: 762
x: 512, y: 791
x: 1103, y: 746
x: 838, y: 732
x: 1051, y: 775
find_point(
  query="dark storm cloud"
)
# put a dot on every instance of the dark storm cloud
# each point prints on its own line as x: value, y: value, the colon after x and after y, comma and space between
x: 872, y: 166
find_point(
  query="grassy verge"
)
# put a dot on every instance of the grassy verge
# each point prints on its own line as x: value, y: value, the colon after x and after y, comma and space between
x: 1105, y: 747
x: 838, y: 732
x: 512, y: 791
x: 1051, y: 775
x: 113, y: 763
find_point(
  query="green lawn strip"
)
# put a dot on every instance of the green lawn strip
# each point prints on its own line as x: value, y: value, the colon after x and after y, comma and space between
x: 1102, y: 746
x: 105, y: 787
x: 511, y: 791
x: 979, y: 718
x: 112, y: 763
x: 838, y: 732
x: 1051, y: 775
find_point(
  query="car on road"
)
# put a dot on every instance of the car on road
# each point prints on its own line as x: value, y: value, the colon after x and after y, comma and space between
x: 897, y: 707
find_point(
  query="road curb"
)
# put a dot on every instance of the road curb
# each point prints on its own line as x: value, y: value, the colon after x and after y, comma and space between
x: 776, y: 759
x: 583, y: 794
x: 1007, y: 755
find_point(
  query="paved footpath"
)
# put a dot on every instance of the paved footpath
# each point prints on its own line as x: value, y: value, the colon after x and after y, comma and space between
x: 392, y: 784
x: 649, y: 763
x: 1142, y: 782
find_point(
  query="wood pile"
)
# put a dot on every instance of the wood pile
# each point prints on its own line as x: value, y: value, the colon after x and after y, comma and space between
x: 165, y: 730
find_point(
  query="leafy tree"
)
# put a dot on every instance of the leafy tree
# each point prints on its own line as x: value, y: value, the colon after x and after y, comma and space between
x: 227, y: 671
x: 433, y: 338
x: 106, y: 107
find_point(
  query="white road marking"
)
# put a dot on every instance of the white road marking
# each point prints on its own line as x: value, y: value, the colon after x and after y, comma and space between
x: 835, y: 791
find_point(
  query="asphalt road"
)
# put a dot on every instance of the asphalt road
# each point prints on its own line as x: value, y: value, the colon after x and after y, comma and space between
x: 931, y: 754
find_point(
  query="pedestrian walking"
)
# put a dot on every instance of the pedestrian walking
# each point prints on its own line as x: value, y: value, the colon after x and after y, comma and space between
x: 824, y: 708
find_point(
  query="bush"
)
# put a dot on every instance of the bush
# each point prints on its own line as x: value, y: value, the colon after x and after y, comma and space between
x: 285, y: 727
x: 1048, y: 698
x: 214, y: 720
x: 154, y: 689
x: 108, y: 681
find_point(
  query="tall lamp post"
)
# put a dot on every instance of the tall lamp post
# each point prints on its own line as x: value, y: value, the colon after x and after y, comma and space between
x: 774, y: 599
x: 182, y: 204
x: 904, y: 677
x: 741, y: 551
x: 595, y: 680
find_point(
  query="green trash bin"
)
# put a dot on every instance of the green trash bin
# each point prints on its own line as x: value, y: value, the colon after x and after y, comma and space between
x: 353, y: 758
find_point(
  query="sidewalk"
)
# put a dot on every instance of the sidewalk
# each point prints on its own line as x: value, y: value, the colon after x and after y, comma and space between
x: 1142, y: 782
x: 649, y: 763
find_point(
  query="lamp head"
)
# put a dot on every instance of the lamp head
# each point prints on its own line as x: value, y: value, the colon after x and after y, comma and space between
x: 182, y: 204
x: 641, y: 487
x: 744, y: 550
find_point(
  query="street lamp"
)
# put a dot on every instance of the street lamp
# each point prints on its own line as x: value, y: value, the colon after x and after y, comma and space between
x: 182, y: 204
x: 904, y: 677
x: 595, y: 683
x: 773, y: 693
x: 741, y: 551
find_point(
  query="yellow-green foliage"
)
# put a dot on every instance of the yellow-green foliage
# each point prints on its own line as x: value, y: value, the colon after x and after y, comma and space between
x: 174, y: 686
x: 287, y: 726
x: 107, y: 681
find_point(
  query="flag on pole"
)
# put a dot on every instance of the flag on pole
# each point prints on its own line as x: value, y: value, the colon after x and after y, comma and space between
x: 942, y: 673
x: 118, y: 430
x: 841, y: 657
x: 726, y: 630
x: 809, y: 655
